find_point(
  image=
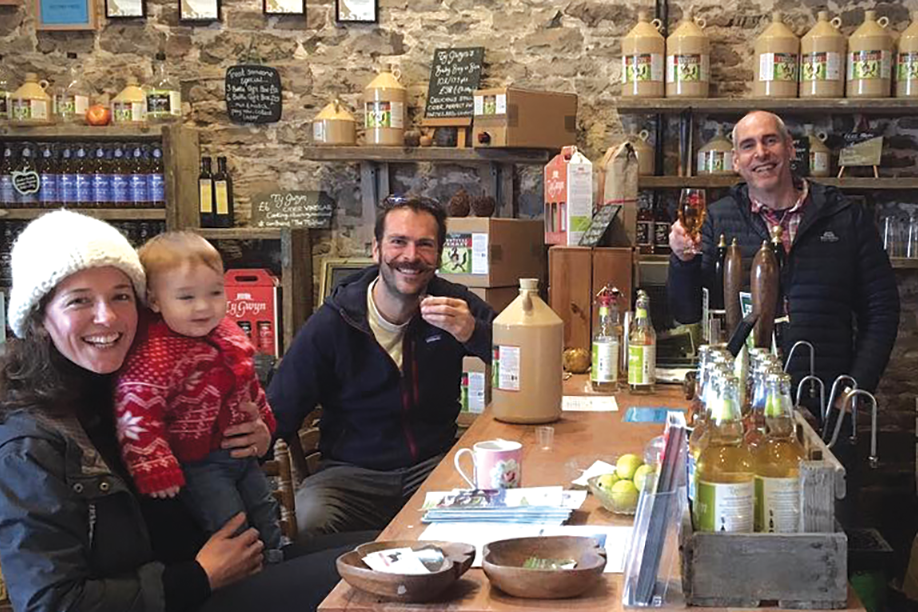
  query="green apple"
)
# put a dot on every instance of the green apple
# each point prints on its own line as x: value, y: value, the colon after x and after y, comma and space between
x: 624, y: 496
x: 643, y: 476
x: 627, y: 465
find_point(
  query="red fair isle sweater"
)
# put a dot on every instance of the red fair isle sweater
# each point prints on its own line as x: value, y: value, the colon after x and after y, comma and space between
x: 176, y: 395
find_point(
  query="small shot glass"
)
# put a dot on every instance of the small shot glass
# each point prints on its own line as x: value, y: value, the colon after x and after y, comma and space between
x: 545, y: 436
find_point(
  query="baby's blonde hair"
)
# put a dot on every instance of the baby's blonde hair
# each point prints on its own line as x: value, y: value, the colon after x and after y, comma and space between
x: 173, y: 249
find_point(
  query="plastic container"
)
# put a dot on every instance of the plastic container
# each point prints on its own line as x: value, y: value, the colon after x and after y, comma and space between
x: 30, y: 105
x: 384, y: 106
x: 130, y: 106
x: 716, y: 157
x: 528, y: 340
x: 643, y: 51
x: 870, y: 51
x: 334, y: 126
x: 820, y: 154
x: 688, y: 60
x: 776, y: 55
x: 822, y: 59
x: 644, y: 152
x: 907, y: 61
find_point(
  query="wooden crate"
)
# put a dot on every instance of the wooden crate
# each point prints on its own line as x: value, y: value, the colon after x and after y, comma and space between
x: 805, y: 570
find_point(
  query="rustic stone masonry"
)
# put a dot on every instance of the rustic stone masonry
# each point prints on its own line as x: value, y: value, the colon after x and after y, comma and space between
x: 564, y: 45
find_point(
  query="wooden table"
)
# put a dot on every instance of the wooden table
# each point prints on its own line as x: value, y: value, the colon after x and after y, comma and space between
x: 580, y: 439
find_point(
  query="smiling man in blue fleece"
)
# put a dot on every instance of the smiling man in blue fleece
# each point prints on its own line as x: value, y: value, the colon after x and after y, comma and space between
x: 383, y: 357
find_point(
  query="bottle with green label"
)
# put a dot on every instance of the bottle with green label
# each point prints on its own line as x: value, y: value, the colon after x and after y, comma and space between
x: 724, y: 473
x: 607, y: 341
x: 642, y: 348
x: 777, y: 462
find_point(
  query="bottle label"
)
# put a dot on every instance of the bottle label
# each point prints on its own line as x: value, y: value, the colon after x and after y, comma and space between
x: 715, y: 162
x: 206, y: 195
x: 48, y: 192
x: 473, y: 392
x: 83, y: 188
x: 661, y: 235
x: 67, y: 188
x: 724, y: 507
x: 26, y: 109
x: 819, y: 161
x: 385, y: 115
x: 80, y: 105
x: 642, y: 67
x: 507, y: 373
x: 221, y: 194
x: 156, y: 187
x: 777, y: 504
x: 102, y: 188
x: 121, y: 192
x: 778, y: 67
x: 128, y: 112
x: 690, y: 476
x: 162, y: 103
x: 906, y: 67
x: 692, y: 68
x: 7, y: 192
x: 642, y: 367
x: 820, y: 66
x: 71, y: 105
x: 869, y: 65
x: 138, y: 188
x: 604, y: 368
x: 644, y: 233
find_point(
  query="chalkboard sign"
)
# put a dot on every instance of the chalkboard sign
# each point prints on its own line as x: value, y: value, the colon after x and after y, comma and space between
x: 312, y: 209
x: 454, y: 77
x: 253, y: 94
x: 600, y: 223
x: 800, y: 165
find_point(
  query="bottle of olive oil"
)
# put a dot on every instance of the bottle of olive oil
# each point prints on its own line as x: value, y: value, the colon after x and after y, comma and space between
x: 642, y: 348
x: 777, y: 462
x: 725, y: 489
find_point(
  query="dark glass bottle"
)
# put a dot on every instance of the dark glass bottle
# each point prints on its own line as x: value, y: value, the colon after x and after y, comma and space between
x: 661, y: 225
x: 223, y: 195
x: 27, y: 192
x: 49, y: 176
x: 7, y: 194
x: 206, y: 194
x: 121, y: 174
x: 66, y: 186
x: 156, y: 185
x: 139, y: 193
x: 83, y: 175
x: 645, y: 225
x: 101, y: 178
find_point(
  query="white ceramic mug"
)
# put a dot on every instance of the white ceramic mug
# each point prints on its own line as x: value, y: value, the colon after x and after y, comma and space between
x: 496, y: 464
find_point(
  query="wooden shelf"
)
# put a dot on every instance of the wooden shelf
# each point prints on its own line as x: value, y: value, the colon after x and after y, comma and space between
x: 900, y: 263
x: 796, y: 106
x: 108, y: 214
x: 904, y: 263
x: 426, y: 154
x: 240, y: 233
x: 713, y: 182
x: 82, y: 132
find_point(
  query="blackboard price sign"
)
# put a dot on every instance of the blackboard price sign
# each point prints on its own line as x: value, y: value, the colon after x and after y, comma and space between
x: 454, y: 77
x: 313, y: 209
x: 253, y: 94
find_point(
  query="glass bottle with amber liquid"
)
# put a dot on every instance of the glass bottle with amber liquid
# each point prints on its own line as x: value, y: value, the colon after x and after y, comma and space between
x: 645, y: 225
x: 724, y: 473
x: 206, y: 194
x: 777, y: 462
x: 642, y: 348
x: 607, y: 342
x: 223, y: 195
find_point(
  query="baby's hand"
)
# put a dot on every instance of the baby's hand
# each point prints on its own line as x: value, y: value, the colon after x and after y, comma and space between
x: 170, y: 492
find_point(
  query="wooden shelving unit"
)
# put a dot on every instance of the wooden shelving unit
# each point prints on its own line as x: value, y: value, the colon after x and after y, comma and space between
x: 108, y: 214
x: 904, y: 263
x: 713, y: 182
x: 83, y: 132
x: 795, y: 106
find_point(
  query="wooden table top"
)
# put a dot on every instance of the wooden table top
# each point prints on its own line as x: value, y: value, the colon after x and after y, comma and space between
x: 580, y: 439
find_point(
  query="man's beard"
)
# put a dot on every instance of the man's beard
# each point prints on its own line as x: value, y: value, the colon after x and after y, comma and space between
x: 388, y: 274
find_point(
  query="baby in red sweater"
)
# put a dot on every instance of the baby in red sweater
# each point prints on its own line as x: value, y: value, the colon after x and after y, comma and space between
x: 184, y: 382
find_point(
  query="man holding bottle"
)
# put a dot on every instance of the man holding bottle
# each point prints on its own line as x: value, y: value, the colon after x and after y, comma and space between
x: 838, y: 287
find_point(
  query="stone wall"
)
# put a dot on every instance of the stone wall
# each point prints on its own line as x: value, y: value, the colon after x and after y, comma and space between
x: 566, y: 45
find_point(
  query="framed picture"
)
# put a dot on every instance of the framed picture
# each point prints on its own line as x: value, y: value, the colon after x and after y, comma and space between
x: 65, y: 15
x: 335, y: 270
x: 357, y: 11
x: 199, y: 10
x: 125, y: 9
x: 284, y: 7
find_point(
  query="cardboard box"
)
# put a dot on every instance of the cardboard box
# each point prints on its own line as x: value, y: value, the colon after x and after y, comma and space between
x: 497, y: 298
x: 252, y: 300
x: 568, y: 188
x: 486, y: 252
x: 511, y: 117
x: 476, y: 385
x: 576, y: 274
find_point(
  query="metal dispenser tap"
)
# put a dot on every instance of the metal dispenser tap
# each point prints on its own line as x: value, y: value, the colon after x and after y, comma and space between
x: 872, y: 459
x: 812, y: 375
x: 815, y: 381
x: 833, y: 393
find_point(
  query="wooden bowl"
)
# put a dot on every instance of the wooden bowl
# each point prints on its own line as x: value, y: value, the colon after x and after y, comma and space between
x: 503, y: 565
x: 406, y: 588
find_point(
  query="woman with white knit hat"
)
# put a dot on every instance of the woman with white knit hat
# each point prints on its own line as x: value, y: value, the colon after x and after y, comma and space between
x: 73, y: 534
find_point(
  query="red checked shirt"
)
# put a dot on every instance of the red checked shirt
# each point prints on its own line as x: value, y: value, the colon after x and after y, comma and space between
x: 788, y: 219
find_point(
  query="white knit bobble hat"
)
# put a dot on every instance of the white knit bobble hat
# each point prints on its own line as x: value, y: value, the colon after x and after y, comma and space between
x: 58, y: 244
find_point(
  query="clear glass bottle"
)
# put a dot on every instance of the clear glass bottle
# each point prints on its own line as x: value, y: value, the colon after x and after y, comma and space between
x: 164, y: 95
x: 754, y: 419
x: 71, y: 100
x: 607, y: 341
x: 725, y: 489
x: 777, y: 462
x: 642, y: 348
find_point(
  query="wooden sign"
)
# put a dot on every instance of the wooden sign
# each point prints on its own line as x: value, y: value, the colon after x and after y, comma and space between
x: 454, y: 76
x: 861, y: 149
x: 313, y: 209
x: 253, y: 94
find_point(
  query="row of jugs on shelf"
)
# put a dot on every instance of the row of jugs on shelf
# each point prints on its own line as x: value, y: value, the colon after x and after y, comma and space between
x: 818, y: 65
x: 716, y: 156
x: 384, y: 115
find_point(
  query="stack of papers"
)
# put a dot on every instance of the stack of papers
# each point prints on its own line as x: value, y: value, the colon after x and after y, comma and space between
x: 535, y: 505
